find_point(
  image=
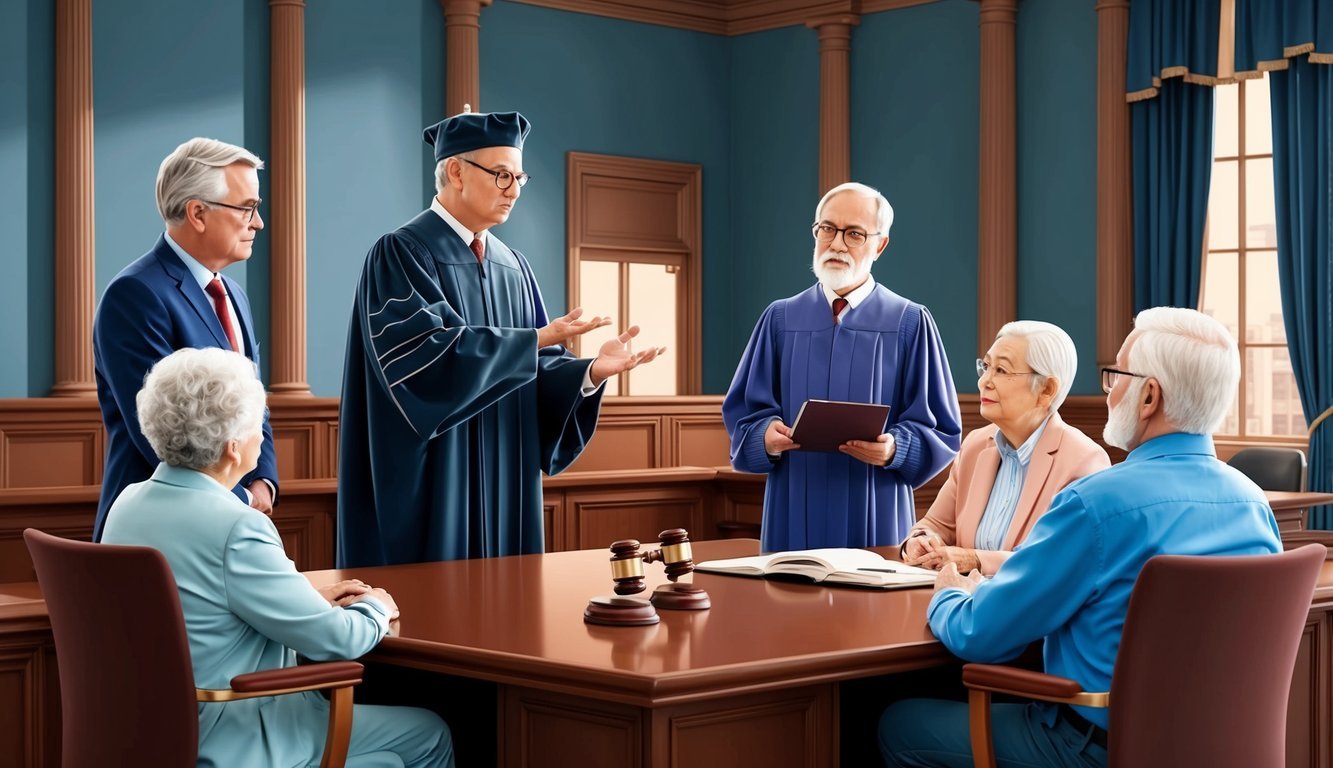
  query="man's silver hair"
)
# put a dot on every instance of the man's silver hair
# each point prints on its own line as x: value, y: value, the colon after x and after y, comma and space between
x: 1050, y: 353
x: 1194, y: 359
x: 441, y: 174
x: 196, y: 400
x: 194, y: 171
x: 883, y: 211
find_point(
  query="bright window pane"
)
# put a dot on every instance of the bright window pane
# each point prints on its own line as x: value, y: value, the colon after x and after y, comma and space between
x: 1260, y: 216
x: 1258, y: 125
x: 1225, y: 123
x: 1223, y: 206
x: 652, y: 301
x: 1272, y: 406
x: 1263, y: 301
x: 599, y: 290
x: 1221, y: 290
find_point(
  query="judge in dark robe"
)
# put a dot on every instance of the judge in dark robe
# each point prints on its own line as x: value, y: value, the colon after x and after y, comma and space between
x: 457, y: 391
x: 845, y: 338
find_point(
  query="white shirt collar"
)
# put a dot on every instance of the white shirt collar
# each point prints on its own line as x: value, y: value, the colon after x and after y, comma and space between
x: 203, y: 275
x: 854, y: 298
x: 463, y: 232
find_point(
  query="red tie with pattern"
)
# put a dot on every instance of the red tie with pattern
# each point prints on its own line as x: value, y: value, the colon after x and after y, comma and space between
x: 839, y: 304
x: 223, y: 309
x: 479, y: 248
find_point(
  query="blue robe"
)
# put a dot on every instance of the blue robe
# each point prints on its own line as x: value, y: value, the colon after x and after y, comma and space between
x: 450, y: 412
x: 886, y: 350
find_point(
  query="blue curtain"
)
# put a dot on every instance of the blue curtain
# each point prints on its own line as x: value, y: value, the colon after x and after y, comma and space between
x: 1289, y: 38
x: 1172, y: 64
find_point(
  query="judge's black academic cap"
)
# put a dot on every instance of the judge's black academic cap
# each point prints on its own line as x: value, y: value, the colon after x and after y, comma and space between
x: 476, y: 130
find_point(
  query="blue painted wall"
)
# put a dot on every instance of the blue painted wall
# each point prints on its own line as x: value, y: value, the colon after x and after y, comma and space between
x: 914, y: 137
x: 745, y: 108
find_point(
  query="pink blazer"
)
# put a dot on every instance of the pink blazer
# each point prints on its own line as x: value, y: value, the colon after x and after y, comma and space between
x: 1062, y: 455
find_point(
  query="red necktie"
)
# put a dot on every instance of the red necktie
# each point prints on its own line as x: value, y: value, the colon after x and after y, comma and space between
x: 223, y: 309
x: 839, y: 304
x: 479, y: 248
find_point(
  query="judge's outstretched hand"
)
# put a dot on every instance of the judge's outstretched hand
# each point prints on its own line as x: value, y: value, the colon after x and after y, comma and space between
x: 562, y: 329
x: 877, y: 452
x: 615, y: 356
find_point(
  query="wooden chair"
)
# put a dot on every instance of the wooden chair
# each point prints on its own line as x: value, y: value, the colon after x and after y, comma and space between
x: 1204, y: 667
x: 126, y: 682
x: 1272, y: 468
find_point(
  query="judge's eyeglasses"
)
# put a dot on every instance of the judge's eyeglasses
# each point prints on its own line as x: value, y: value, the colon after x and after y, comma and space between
x: 825, y: 233
x: 248, y: 210
x: 503, y: 179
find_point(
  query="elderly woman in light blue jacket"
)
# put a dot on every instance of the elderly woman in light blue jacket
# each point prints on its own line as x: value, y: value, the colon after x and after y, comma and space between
x: 246, y: 607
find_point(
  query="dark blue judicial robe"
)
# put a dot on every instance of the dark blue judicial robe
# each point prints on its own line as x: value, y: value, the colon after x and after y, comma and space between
x: 449, y: 411
x: 886, y: 350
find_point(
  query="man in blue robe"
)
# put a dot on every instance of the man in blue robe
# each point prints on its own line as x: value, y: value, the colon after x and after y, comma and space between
x: 845, y: 338
x: 457, y: 393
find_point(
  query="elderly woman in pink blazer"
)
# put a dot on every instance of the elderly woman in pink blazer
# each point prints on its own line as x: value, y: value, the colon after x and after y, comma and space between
x: 1006, y: 473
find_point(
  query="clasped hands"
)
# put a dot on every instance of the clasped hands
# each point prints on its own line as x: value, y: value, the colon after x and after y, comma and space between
x: 344, y: 593
x: 613, y: 357
x: 877, y: 453
x: 930, y: 551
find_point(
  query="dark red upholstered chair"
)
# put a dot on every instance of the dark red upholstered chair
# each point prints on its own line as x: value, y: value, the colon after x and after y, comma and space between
x: 126, y: 683
x: 1204, y: 666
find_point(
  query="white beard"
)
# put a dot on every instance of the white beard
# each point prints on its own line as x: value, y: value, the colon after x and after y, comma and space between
x: 1123, y: 420
x: 839, y: 279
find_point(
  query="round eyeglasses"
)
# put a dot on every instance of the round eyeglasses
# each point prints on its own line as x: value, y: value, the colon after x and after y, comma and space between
x: 248, y: 210
x: 853, y: 237
x: 503, y: 179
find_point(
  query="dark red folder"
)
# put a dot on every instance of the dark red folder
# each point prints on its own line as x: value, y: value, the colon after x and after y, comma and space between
x: 823, y: 425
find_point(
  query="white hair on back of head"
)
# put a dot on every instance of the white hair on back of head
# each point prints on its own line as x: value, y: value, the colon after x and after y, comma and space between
x: 194, y: 401
x: 442, y: 170
x: 883, y: 211
x: 1194, y: 359
x: 194, y: 171
x: 1051, y: 353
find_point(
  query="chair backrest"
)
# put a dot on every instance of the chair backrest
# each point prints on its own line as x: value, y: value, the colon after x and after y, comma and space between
x: 1206, y: 658
x: 1273, y: 469
x: 126, y: 682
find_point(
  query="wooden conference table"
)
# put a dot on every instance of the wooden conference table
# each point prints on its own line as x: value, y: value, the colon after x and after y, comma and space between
x: 751, y: 681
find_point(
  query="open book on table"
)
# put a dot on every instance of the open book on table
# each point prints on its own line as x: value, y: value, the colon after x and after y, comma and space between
x: 841, y: 567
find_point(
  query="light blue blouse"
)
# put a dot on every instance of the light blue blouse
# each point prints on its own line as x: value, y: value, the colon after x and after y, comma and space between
x: 1008, y: 487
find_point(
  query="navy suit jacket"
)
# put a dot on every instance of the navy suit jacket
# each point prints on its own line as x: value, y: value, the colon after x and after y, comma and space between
x: 151, y: 309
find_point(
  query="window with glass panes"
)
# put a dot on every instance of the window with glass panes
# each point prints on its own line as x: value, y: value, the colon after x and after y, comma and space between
x: 1240, y: 277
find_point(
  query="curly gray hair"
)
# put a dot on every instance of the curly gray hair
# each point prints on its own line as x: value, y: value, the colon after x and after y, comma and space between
x: 196, y: 400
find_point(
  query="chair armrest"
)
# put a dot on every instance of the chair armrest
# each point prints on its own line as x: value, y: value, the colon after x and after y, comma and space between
x: 275, y: 682
x: 1033, y: 685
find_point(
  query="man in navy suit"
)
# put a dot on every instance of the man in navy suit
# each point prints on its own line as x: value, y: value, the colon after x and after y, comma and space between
x: 174, y: 297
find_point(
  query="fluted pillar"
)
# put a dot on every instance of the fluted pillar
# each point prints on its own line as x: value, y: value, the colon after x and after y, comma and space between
x: 835, y: 142
x: 462, y: 84
x: 1115, y: 214
x: 997, y: 181
x: 74, y: 265
x: 286, y: 224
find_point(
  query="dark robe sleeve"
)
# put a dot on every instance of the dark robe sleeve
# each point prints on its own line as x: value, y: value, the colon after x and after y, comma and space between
x: 928, y: 427
x: 754, y: 399
x: 436, y: 370
x: 567, y: 417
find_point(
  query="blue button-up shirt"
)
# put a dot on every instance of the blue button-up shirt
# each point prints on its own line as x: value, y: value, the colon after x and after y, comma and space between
x: 1008, y: 487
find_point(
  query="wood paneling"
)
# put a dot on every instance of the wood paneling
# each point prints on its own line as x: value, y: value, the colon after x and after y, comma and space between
x: 740, y: 731
x: 583, y: 730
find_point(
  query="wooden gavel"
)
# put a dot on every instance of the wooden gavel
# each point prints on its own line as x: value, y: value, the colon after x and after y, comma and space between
x: 627, y: 560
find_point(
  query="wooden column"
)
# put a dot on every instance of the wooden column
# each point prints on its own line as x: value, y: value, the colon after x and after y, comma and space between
x: 74, y: 265
x: 462, y: 84
x: 997, y: 181
x: 1115, y: 213
x: 835, y: 143
x: 286, y: 225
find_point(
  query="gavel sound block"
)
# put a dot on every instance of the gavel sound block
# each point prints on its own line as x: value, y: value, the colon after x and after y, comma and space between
x: 627, y: 573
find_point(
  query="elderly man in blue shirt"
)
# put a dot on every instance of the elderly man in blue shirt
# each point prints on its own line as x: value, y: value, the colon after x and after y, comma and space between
x: 1070, y: 582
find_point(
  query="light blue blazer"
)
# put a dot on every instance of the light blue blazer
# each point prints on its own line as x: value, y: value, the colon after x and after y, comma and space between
x: 246, y: 609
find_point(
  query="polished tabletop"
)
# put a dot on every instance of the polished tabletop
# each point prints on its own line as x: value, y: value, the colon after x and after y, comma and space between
x: 519, y: 620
